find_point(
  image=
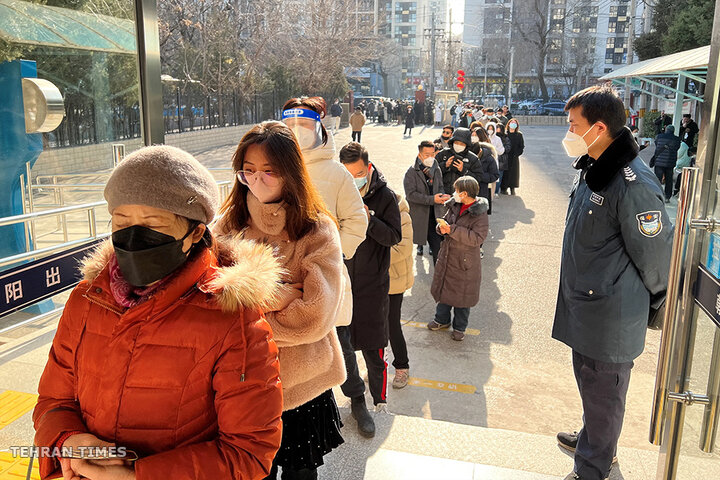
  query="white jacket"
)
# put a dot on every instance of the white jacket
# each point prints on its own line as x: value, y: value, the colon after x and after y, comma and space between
x: 341, y: 196
x: 337, y: 188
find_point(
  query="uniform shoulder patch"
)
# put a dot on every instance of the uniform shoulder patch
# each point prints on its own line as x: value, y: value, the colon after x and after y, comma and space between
x: 650, y: 223
x: 629, y: 174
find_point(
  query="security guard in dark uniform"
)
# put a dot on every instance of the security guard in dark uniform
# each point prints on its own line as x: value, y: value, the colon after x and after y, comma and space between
x: 615, y: 264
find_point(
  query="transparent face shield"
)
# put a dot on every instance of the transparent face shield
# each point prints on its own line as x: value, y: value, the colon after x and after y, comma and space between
x: 305, y: 125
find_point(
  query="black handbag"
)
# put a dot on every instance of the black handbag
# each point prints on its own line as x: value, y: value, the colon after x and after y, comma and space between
x: 656, y: 316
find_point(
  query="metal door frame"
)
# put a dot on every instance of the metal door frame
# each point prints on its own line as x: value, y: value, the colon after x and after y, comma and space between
x: 677, y: 345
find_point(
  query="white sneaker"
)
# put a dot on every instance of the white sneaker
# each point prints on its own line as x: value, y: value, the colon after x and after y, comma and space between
x: 381, y: 408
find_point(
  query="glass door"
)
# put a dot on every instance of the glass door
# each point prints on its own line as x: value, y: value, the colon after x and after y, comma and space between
x: 686, y: 406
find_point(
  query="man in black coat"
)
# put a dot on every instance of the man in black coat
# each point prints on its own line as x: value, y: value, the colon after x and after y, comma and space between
x: 370, y: 279
x: 688, y: 130
x: 457, y: 160
x: 665, y: 157
x: 614, y: 268
x: 661, y: 122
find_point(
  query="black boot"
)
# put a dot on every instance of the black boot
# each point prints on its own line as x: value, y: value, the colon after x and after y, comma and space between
x: 366, y: 424
x: 420, y: 250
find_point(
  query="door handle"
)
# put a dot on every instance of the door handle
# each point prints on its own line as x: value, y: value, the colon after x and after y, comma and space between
x: 677, y: 281
x: 708, y: 433
x: 710, y: 224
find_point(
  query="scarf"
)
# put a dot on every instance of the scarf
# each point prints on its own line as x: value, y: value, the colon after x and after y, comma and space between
x: 127, y: 295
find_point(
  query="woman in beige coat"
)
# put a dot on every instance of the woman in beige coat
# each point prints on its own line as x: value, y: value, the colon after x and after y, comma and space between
x: 274, y: 202
x: 402, y: 277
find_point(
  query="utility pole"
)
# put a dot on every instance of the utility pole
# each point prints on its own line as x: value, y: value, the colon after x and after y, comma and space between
x: 512, y: 56
x: 631, y: 38
x: 434, y: 33
x: 432, y: 55
x: 510, y: 76
x: 448, y: 63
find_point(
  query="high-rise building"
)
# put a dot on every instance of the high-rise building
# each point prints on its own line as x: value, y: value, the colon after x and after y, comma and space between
x: 588, y: 38
x: 584, y: 40
x: 409, y: 23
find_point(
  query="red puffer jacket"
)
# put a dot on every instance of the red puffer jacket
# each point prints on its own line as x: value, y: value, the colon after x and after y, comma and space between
x: 188, y: 379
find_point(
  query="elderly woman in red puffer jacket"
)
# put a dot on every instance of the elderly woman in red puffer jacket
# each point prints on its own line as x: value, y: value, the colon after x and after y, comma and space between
x: 163, y: 347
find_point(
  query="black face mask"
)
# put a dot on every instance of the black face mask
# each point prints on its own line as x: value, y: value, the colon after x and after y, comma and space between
x: 145, y: 255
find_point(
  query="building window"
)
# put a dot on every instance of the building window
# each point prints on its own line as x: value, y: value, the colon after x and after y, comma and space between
x: 585, y: 20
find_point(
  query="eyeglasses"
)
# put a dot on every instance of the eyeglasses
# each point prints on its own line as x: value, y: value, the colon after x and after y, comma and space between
x: 248, y: 178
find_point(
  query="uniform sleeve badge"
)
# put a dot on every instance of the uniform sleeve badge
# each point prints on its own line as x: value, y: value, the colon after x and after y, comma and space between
x: 649, y: 223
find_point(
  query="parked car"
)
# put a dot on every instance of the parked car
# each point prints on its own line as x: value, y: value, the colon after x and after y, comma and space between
x: 552, y: 108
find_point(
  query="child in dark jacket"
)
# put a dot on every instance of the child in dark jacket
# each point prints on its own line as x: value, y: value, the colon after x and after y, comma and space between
x: 456, y: 283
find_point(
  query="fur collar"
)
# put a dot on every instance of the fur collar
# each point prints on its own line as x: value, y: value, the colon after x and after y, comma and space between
x: 616, y: 156
x: 248, y: 274
x: 480, y: 206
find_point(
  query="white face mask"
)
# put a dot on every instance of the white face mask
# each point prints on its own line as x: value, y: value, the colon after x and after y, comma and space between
x: 456, y: 197
x: 458, y: 148
x: 306, y: 138
x: 513, y: 126
x: 428, y: 162
x: 575, y: 145
x: 475, y: 139
x: 491, y: 133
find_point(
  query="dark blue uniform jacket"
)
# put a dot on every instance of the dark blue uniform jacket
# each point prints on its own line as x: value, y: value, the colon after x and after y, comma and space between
x: 615, y: 255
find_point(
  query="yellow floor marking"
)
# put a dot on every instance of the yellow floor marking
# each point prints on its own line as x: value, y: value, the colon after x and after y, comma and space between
x: 450, y: 387
x: 14, y: 405
x: 410, y: 323
x: 12, y: 468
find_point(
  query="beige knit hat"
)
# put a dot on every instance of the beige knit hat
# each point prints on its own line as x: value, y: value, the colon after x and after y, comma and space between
x: 164, y: 177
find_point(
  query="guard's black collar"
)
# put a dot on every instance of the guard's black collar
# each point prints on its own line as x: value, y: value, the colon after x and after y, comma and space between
x: 623, y: 150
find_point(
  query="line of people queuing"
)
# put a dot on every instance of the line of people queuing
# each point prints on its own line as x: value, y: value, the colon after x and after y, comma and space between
x: 206, y: 337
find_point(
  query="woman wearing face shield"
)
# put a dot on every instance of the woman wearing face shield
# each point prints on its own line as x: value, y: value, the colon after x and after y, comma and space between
x: 336, y: 186
x: 274, y: 202
x: 162, y: 348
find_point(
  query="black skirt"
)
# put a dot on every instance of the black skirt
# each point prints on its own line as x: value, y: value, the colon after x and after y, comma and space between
x: 310, y: 431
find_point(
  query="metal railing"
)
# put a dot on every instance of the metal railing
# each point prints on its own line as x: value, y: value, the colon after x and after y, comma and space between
x: 31, y: 218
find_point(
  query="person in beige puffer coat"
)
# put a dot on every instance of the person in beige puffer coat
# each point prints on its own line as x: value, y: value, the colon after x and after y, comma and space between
x: 357, y: 120
x: 402, y: 278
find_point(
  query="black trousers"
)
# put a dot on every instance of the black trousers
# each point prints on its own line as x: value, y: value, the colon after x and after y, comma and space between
x: 397, y: 339
x: 666, y: 172
x: 434, y: 238
x: 408, y: 129
x: 603, y: 388
x: 356, y: 136
x: 376, y: 367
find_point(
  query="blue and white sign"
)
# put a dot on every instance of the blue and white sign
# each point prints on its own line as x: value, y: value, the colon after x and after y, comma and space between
x: 707, y: 294
x: 32, y: 282
x: 712, y: 261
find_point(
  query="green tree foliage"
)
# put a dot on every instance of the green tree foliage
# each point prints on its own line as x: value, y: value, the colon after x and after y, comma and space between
x: 677, y: 25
